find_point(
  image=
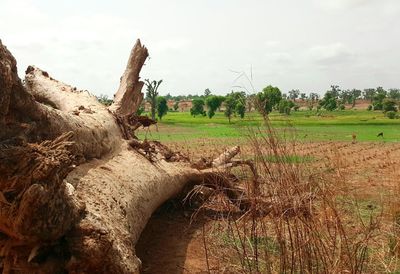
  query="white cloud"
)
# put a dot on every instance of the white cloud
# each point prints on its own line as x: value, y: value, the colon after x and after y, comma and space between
x: 278, y: 57
x: 331, y: 54
x: 342, y: 4
x: 193, y: 44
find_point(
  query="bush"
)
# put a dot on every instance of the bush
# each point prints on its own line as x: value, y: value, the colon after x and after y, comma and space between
x: 378, y: 106
x: 389, y: 105
x: 296, y: 107
x: 391, y: 114
x: 369, y: 108
x: 285, y: 106
x: 341, y: 107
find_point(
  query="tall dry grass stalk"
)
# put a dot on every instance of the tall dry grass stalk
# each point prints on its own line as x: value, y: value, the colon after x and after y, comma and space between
x: 294, y: 224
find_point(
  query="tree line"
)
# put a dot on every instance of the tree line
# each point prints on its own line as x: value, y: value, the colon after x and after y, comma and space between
x: 237, y: 103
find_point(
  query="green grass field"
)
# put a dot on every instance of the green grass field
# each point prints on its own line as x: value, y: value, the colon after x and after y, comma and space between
x: 304, y: 125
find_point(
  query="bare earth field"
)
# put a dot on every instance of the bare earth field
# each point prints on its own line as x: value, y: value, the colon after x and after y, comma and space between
x: 368, y: 171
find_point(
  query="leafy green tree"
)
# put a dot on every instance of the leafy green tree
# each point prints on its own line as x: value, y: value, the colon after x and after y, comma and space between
x: 294, y: 94
x: 329, y: 102
x: 176, y: 105
x: 369, y: 94
x: 213, y: 103
x: 389, y: 105
x: 151, y: 95
x: 303, y: 96
x: 268, y: 99
x: 377, y: 101
x: 162, y: 107
x: 104, y: 99
x: 345, y: 97
x: 355, y: 94
x: 240, y: 102
x: 197, y: 107
x: 207, y: 92
x: 285, y: 106
x: 394, y: 93
x: 230, y: 106
x: 335, y: 91
x: 240, y: 109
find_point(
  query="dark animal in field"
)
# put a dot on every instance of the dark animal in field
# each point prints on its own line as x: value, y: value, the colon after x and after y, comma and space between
x: 354, y: 138
x: 137, y: 120
x: 380, y: 134
x: 145, y: 121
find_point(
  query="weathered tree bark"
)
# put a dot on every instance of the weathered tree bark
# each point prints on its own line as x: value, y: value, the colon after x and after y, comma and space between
x: 75, y: 192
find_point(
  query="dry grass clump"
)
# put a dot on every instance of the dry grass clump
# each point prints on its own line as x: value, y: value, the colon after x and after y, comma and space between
x: 295, y: 223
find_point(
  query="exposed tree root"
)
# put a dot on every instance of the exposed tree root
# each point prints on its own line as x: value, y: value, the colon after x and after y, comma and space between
x: 76, y: 188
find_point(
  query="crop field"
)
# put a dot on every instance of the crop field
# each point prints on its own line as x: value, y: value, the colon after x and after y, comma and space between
x: 302, y: 125
x: 365, y: 173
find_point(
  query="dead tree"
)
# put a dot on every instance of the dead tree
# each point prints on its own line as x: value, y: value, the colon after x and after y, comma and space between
x: 75, y: 193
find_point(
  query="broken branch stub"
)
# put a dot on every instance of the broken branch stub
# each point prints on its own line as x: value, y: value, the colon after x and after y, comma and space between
x: 129, y: 96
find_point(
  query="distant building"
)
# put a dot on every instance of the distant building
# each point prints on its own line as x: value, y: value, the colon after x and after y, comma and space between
x: 185, y: 105
x: 170, y: 104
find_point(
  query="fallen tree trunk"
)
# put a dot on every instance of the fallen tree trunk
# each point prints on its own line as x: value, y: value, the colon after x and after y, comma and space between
x: 75, y: 193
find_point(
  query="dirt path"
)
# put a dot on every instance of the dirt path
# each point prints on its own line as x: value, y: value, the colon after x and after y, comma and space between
x: 171, y: 244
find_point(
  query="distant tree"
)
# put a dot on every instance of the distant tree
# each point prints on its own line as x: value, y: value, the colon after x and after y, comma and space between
x: 151, y: 95
x: 285, y: 106
x: 104, y: 99
x: 240, y: 109
x: 313, y: 97
x: 303, y: 96
x: 394, y: 93
x: 377, y: 101
x: 345, y: 97
x: 355, y: 94
x: 230, y: 106
x: 312, y: 100
x: 268, y: 99
x: 207, y: 92
x: 213, y: 103
x: 176, y: 105
x: 329, y: 101
x: 381, y: 90
x: 162, y: 107
x: 369, y: 94
x: 168, y: 96
x: 389, y: 105
x: 197, y: 107
x: 335, y: 91
x: 294, y: 94
x: 250, y: 102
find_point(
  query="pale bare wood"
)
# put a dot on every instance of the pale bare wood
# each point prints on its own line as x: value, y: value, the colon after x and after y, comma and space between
x: 129, y: 96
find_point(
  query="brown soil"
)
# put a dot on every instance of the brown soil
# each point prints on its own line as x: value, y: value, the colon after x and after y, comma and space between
x: 172, y: 244
x: 369, y: 170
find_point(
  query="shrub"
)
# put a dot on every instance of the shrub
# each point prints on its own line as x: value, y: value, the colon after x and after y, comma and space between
x: 389, y: 105
x: 391, y: 114
x: 285, y: 106
x: 341, y: 107
x: 369, y: 108
x: 377, y: 105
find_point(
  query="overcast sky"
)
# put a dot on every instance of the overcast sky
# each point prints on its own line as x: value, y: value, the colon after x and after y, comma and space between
x: 199, y: 44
